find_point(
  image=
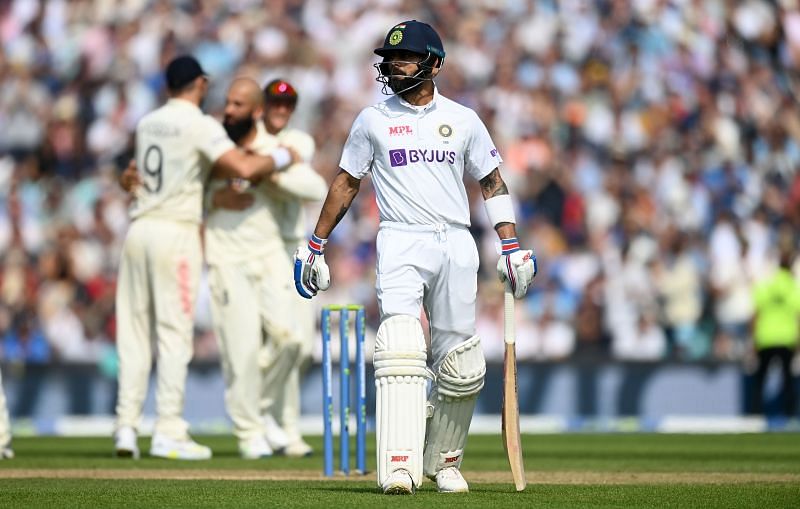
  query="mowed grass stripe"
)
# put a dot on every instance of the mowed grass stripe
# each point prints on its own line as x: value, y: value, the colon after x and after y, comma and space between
x: 533, y: 477
x: 74, y: 493
x: 746, y: 453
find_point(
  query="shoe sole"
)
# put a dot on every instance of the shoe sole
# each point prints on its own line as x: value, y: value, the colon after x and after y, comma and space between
x: 398, y: 489
x: 454, y: 491
x: 127, y: 453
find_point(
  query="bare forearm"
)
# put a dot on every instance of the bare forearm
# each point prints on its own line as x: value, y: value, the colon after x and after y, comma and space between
x: 343, y: 189
x: 493, y: 185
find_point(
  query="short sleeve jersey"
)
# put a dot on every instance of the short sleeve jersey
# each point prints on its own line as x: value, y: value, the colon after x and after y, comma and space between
x: 176, y: 146
x: 417, y: 156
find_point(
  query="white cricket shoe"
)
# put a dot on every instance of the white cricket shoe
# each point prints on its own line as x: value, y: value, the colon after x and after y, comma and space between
x: 298, y: 449
x: 276, y: 436
x: 125, y: 443
x: 170, y: 448
x: 255, y: 448
x: 6, y: 453
x: 450, y: 480
x: 399, y: 482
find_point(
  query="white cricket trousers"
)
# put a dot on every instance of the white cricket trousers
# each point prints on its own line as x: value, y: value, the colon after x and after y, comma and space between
x: 287, y: 406
x: 253, y: 321
x: 156, y: 291
x: 5, y: 426
x: 435, y: 267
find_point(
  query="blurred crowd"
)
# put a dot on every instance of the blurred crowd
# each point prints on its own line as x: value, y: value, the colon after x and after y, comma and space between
x: 652, y: 147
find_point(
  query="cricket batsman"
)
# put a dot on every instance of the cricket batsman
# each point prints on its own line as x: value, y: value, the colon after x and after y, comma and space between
x: 417, y: 144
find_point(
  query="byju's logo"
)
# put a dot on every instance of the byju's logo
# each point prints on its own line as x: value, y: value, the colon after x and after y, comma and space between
x: 401, y: 157
x: 397, y: 157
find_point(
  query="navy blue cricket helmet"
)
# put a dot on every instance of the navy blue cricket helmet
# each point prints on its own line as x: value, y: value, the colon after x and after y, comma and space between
x: 416, y: 37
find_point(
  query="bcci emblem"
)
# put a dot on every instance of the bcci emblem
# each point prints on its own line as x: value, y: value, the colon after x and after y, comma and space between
x: 445, y: 131
x: 395, y: 37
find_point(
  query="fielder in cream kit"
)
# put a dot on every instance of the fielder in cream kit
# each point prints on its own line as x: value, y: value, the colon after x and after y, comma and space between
x: 249, y: 276
x: 176, y: 147
x: 417, y: 145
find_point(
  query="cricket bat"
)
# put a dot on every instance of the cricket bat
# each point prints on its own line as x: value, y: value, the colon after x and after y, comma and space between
x: 511, y: 438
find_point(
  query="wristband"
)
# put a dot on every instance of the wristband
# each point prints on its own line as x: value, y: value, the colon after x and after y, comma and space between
x: 509, y: 245
x: 317, y: 245
x: 281, y: 157
x: 500, y: 209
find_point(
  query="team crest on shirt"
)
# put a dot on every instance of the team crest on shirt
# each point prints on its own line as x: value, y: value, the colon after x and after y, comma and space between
x: 445, y: 131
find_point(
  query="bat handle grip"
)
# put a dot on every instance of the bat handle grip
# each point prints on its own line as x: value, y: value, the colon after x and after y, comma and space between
x: 509, y: 334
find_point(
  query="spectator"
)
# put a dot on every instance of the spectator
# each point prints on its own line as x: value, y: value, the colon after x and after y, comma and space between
x: 776, y: 331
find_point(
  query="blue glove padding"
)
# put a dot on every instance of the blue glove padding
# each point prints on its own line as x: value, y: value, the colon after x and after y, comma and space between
x: 311, y: 273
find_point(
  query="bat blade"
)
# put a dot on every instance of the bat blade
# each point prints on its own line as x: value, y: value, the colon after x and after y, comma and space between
x: 510, y: 417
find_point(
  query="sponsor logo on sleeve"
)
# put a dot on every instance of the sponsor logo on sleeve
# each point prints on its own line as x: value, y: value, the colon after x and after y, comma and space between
x: 493, y: 152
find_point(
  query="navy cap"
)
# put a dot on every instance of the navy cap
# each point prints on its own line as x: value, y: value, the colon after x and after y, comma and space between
x: 414, y: 36
x: 182, y: 71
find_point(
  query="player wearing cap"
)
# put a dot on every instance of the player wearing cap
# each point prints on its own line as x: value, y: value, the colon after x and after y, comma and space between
x: 176, y: 147
x: 252, y: 292
x: 298, y: 185
x: 417, y: 145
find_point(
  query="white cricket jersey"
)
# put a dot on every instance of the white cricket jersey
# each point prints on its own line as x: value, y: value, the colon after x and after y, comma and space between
x: 417, y: 156
x: 234, y: 236
x: 176, y: 145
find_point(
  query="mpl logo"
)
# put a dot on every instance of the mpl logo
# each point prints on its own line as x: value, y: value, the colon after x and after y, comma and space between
x: 401, y: 157
x: 400, y: 130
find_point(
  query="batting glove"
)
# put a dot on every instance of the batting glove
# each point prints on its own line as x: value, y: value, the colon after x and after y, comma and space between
x: 516, y: 267
x: 311, y: 273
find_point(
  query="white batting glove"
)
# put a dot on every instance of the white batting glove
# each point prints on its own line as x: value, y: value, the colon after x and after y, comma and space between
x: 311, y: 273
x: 516, y: 267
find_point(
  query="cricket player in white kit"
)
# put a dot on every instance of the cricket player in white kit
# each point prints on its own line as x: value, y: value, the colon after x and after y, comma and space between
x: 5, y: 427
x: 417, y: 145
x: 176, y: 147
x: 295, y: 187
x: 249, y: 275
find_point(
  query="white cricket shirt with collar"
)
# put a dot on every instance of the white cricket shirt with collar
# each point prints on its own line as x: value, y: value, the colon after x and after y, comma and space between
x: 417, y: 156
x: 176, y: 146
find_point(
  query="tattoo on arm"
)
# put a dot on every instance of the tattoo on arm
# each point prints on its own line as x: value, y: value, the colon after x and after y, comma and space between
x: 342, y: 212
x: 492, y: 185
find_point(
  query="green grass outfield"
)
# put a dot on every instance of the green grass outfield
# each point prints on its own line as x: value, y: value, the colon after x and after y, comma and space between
x: 571, y: 470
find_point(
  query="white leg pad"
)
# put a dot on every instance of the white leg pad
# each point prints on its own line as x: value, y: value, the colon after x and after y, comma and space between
x: 458, y: 382
x: 401, y: 377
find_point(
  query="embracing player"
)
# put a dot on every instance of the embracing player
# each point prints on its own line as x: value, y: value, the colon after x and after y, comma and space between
x: 253, y: 300
x: 176, y: 147
x: 417, y: 145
